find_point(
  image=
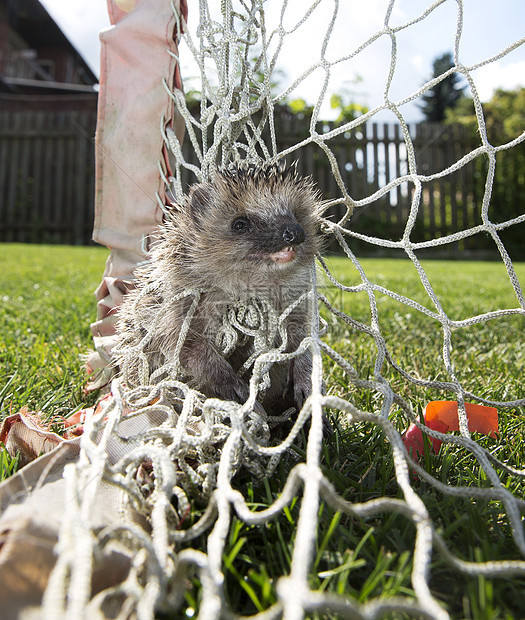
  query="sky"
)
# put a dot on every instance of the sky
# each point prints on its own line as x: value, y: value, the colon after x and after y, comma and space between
x: 488, y: 28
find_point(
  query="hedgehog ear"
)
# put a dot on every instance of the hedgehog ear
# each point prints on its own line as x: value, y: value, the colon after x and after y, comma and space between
x: 199, y: 200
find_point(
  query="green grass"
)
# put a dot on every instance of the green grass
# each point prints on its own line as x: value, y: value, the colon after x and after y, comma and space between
x: 47, y: 304
x: 487, y: 358
x: 46, y: 307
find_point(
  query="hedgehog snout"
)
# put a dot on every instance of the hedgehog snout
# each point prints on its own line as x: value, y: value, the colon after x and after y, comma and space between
x: 293, y: 234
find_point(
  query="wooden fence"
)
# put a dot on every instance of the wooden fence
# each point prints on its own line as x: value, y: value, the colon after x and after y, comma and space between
x: 47, y: 178
x: 47, y: 171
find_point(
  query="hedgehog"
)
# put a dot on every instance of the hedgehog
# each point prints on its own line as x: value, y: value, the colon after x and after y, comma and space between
x: 241, y: 243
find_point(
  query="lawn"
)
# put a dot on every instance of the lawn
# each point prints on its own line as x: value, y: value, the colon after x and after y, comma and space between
x: 47, y: 304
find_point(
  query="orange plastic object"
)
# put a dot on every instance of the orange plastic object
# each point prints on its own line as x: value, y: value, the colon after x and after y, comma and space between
x: 413, y: 438
x: 442, y: 416
x: 481, y: 419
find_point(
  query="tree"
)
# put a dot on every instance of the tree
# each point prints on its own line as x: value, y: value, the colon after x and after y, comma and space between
x: 344, y: 101
x: 445, y: 94
x: 504, y: 115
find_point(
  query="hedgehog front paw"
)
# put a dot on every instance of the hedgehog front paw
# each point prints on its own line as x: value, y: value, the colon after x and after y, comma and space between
x: 232, y: 389
x: 237, y: 391
x: 301, y: 374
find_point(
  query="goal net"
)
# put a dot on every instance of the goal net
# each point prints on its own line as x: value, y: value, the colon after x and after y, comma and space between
x: 185, y: 467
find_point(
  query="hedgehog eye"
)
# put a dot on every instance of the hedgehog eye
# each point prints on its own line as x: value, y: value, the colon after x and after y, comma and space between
x: 240, y: 224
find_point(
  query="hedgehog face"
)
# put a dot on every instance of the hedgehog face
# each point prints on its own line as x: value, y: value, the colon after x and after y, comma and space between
x: 276, y: 241
x: 253, y: 226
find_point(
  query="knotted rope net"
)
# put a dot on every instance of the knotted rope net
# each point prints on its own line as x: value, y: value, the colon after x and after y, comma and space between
x: 177, y: 456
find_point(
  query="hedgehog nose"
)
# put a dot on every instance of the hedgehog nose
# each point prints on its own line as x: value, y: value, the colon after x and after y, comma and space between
x: 293, y: 234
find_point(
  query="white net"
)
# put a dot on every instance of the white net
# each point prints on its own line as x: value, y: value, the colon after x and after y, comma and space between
x: 181, y: 454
